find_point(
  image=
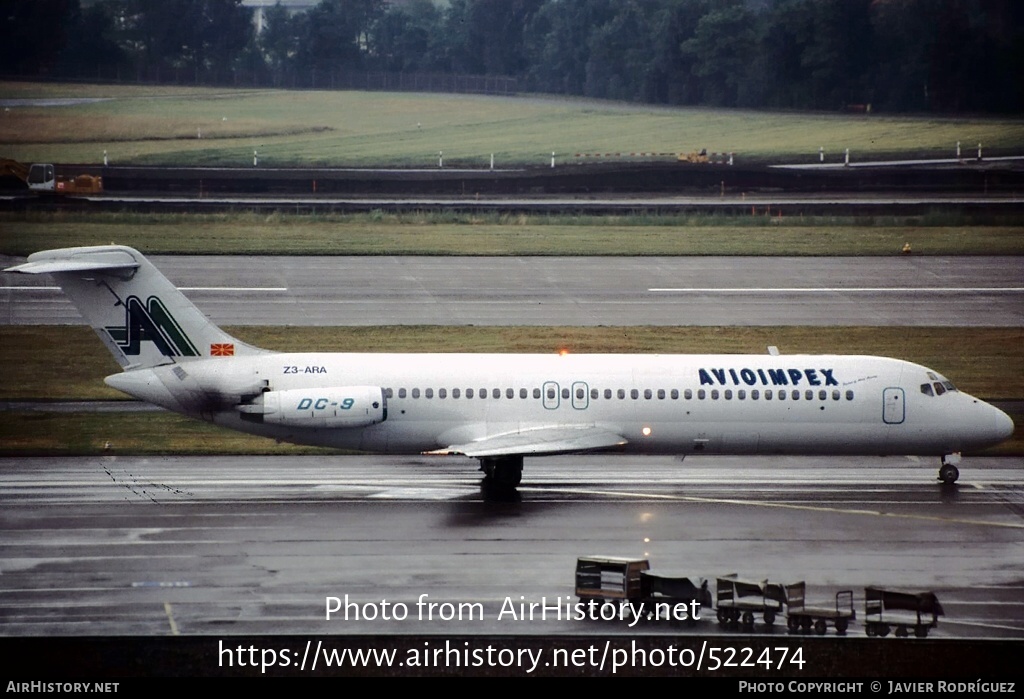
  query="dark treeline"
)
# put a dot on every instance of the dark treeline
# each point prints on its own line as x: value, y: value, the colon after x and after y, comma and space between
x: 896, y: 55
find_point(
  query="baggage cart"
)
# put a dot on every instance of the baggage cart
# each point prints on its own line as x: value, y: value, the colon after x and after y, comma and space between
x: 885, y: 610
x: 740, y: 601
x: 802, y: 618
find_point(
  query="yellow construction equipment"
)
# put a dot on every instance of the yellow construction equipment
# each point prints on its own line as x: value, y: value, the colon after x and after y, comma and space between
x: 42, y: 177
x: 695, y: 157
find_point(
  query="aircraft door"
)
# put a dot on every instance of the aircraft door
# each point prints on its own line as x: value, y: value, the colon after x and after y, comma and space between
x: 550, y: 395
x: 580, y: 395
x: 893, y: 410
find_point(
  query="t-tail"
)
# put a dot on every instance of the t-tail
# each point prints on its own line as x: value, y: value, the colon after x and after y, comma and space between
x: 142, y: 318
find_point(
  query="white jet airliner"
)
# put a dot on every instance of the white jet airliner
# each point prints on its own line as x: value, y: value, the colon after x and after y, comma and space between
x: 499, y: 408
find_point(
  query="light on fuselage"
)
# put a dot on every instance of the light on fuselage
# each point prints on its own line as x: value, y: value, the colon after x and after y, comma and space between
x: 646, y: 431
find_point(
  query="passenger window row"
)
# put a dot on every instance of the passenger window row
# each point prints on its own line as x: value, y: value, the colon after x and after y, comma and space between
x: 550, y: 393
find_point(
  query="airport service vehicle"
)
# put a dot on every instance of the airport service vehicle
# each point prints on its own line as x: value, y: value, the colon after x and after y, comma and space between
x: 43, y: 178
x: 802, y: 618
x: 886, y: 609
x: 500, y: 408
x: 661, y: 597
x: 741, y: 601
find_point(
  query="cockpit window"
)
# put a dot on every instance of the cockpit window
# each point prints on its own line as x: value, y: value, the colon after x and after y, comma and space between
x: 939, y: 388
x: 949, y: 385
x: 926, y: 388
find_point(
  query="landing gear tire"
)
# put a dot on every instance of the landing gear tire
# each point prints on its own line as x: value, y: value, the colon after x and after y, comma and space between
x: 502, y: 471
x: 948, y: 474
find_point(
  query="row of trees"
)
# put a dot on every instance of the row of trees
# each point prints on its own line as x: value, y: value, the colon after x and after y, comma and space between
x: 898, y: 55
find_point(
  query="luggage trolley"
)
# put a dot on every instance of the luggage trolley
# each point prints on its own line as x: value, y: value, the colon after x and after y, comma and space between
x: 802, y: 618
x: 609, y: 579
x: 739, y: 601
x: 879, y: 605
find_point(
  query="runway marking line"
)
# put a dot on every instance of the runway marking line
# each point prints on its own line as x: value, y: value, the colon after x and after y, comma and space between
x: 807, y: 508
x: 858, y: 289
x: 170, y: 618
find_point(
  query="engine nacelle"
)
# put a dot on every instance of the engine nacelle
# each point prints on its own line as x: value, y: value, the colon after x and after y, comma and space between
x: 334, y: 407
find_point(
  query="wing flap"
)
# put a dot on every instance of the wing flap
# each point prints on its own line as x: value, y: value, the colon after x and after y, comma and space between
x: 542, y: 440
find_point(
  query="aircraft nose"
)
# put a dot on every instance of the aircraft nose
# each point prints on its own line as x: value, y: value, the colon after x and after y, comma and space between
x: 1003, y: 425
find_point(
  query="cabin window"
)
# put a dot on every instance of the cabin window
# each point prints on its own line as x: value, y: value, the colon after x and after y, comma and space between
x: 621, y: 393
x: 429, y: 393
x: 401, y: 393
x: 755, y: 394
x: 456, y: 393
x: 565, y: 394
x: 415, y: 393
x: 536, y: 393
x: 714, y: 394
x: 442, y: 393
x: 661, y: 394
x: 835, y: 394
x: 634, y: 394
x: 728, y: 394
x: 809, y: 394
x: 768, y: 394
x: 742, y: 395
x: 389, y: 393
x: 701, y: 393
x: 648, y: 394
x: 675, y: 394
x: 849, y: 395
x: 795, y: 395
x: 551, y: 394
x: 608, y: 393
x: 496, y: 393
x: 782, y: 395
x: 580, y: 394
x: 483, y: 392
x: 510, y: 393
x: 823, y: 394
x: 469, y: 393
x: 523, y: 393
x: 688, y: 394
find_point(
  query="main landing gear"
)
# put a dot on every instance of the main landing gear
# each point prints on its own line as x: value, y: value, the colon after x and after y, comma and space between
x: 948, y: 472
x: 502, y: 471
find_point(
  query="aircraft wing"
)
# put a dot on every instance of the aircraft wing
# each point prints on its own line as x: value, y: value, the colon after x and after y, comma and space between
x: 541, y: 440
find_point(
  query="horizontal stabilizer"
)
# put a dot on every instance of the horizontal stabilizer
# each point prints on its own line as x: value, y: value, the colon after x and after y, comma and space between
x: 76, y: 260
x: 543, y: 440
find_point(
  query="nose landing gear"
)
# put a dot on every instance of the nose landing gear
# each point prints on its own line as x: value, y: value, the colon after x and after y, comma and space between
x: 948, y: 472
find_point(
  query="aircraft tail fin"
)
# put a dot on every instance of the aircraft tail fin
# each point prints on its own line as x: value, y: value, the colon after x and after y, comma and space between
x: 142, y: 318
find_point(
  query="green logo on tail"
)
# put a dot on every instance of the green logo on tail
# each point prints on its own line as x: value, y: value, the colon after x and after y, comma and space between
x: 151, y: 322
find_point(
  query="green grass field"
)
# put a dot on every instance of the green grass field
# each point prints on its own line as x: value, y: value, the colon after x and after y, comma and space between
x: 206, y: 126
x: 443, y: 234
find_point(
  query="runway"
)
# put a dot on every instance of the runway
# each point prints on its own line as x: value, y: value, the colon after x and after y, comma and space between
x: 126, y: 545
x: 582, y: 291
